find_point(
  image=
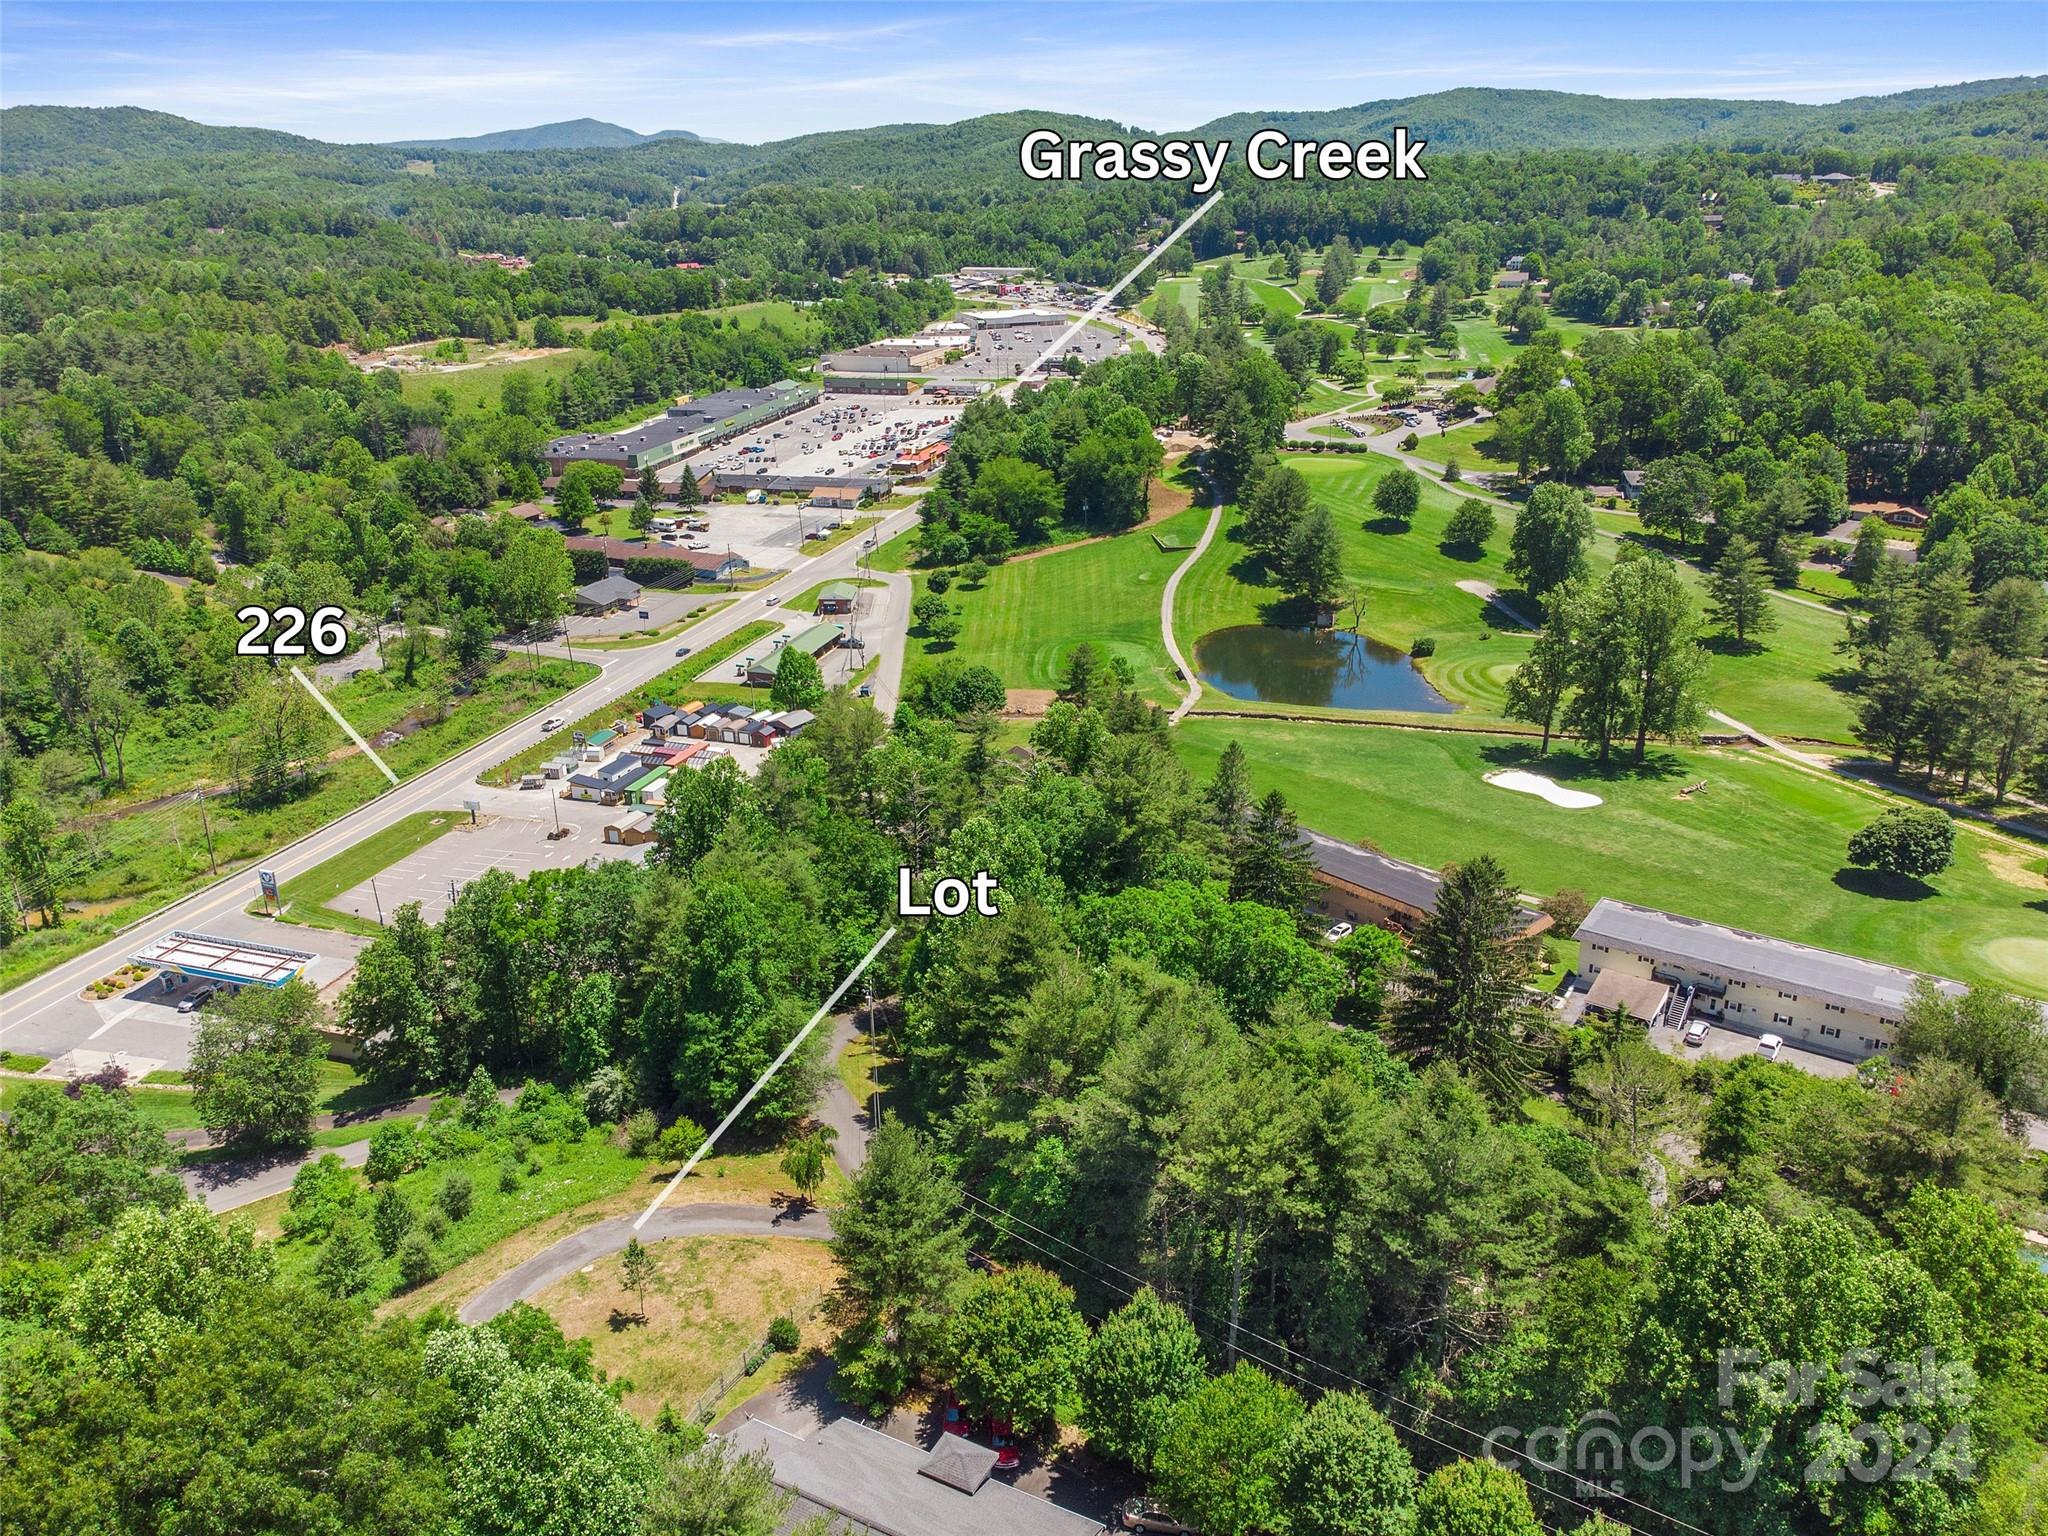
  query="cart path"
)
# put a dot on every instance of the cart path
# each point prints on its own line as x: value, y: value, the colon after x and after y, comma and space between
x: 572, y: 1253
x: 1180, y: 662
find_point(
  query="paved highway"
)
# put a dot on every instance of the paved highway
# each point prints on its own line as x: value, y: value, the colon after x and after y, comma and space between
x: 47, y: 1016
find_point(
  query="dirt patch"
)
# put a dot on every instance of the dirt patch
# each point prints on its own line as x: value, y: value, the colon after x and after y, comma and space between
x: 1027, y: 703
x: 711, y: 1299
x: 1163, y: 500
x: 2014, y: 867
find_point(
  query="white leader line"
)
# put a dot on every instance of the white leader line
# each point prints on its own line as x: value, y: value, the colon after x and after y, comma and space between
x: 774, y: 1066
x: 1104, y: 302
x: 325, y: 703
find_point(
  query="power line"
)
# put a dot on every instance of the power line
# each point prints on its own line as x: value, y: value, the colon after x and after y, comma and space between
x: 1486, y: 1444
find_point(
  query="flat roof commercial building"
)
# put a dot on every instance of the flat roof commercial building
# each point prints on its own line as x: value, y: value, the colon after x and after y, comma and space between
x: 682, y: 429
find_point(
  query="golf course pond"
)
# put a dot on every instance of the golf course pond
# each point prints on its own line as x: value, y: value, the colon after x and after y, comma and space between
x: 1332, y: 669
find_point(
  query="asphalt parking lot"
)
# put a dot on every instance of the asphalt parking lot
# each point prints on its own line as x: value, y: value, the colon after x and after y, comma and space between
x: 873, y: 429
x: 518, y: 843
x: 1004, y: 352
x: 662, y: 608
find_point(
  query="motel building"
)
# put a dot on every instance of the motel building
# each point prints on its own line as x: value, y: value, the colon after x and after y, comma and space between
x: 1833, y: 1004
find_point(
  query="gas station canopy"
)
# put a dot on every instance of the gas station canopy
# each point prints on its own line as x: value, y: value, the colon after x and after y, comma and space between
x: 218, y: 959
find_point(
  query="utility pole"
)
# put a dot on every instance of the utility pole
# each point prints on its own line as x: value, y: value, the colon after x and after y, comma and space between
x: 379, y: 899
x: 205, y: 821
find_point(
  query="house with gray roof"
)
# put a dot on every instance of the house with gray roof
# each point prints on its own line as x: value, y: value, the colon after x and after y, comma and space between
x: 876, y: 1482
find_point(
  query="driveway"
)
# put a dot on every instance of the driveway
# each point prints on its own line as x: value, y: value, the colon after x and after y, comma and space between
x: 605, y: 1238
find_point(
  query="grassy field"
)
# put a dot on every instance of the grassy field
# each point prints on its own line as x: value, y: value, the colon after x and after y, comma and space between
x: 712, y: 1299
x: 1762, y: 847
x: 472, y: 389
x: 1794, y: 686
x: 1030, y: 614
x: 173, y: 1109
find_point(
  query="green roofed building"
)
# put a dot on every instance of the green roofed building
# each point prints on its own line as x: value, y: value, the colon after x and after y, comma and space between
x: 838, y: 597
x: 815, y: 641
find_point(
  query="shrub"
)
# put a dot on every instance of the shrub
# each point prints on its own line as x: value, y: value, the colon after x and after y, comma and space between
x: 508, y: 1176
x: 394, y: 1150
x: 323, y: 1191
x: 1408, y: 443
x: 435, y: 1223
x: 939, y: 581
x: 1425, y: 645
x: 679, y: 1141
x: 608, y: 1095
x: 1906, y: 841
x: 416, y: 1264
x: 391, y: 1219
x: 783, y: 1334
x: 455, y: 1195
x: 642, y: 1131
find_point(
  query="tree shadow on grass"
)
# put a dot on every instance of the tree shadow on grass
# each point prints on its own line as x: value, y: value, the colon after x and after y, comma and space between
x: 1883, y: 887
x: 1466, y: 553
x: 1728, y: 645
x: 1569, y: 765
x: 1386, y: 525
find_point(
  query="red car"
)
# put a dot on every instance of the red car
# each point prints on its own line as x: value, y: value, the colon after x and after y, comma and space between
x: 952, y: 1417
x: 1005, y: 1444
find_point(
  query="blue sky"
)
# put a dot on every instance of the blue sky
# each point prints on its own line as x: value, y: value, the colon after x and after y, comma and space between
x: 367, y: 71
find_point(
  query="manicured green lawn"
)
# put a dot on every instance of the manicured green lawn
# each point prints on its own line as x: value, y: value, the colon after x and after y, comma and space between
x: 1273, y: 298
x: 1476, y: 446
x: 1030, y: 614
x: 895, y: 555
x: 1762, y: 847
x: 1791, y: 686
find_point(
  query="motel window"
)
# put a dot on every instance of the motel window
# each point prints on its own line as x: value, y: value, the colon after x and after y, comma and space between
x: 1834, y: 1008
x: 1830, y: 1032
x: 1781, y: 1018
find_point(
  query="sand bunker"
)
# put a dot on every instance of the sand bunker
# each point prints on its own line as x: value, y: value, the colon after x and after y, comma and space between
x: 1536, y: 784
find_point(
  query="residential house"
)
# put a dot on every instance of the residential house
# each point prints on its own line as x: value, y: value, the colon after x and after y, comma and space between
x: 1631, y: 484
x: 872, y: 1481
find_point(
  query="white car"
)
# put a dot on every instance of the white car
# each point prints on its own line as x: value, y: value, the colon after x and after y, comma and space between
x: 1696, y: 1032
x: 553, y: 723
x: 1338, y: 931
x: 1768, y: 1046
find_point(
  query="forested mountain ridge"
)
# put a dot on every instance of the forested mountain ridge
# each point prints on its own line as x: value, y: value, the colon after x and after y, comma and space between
x: 1484, y: 118
x: 2008, y: 116
x: 576, y: 133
